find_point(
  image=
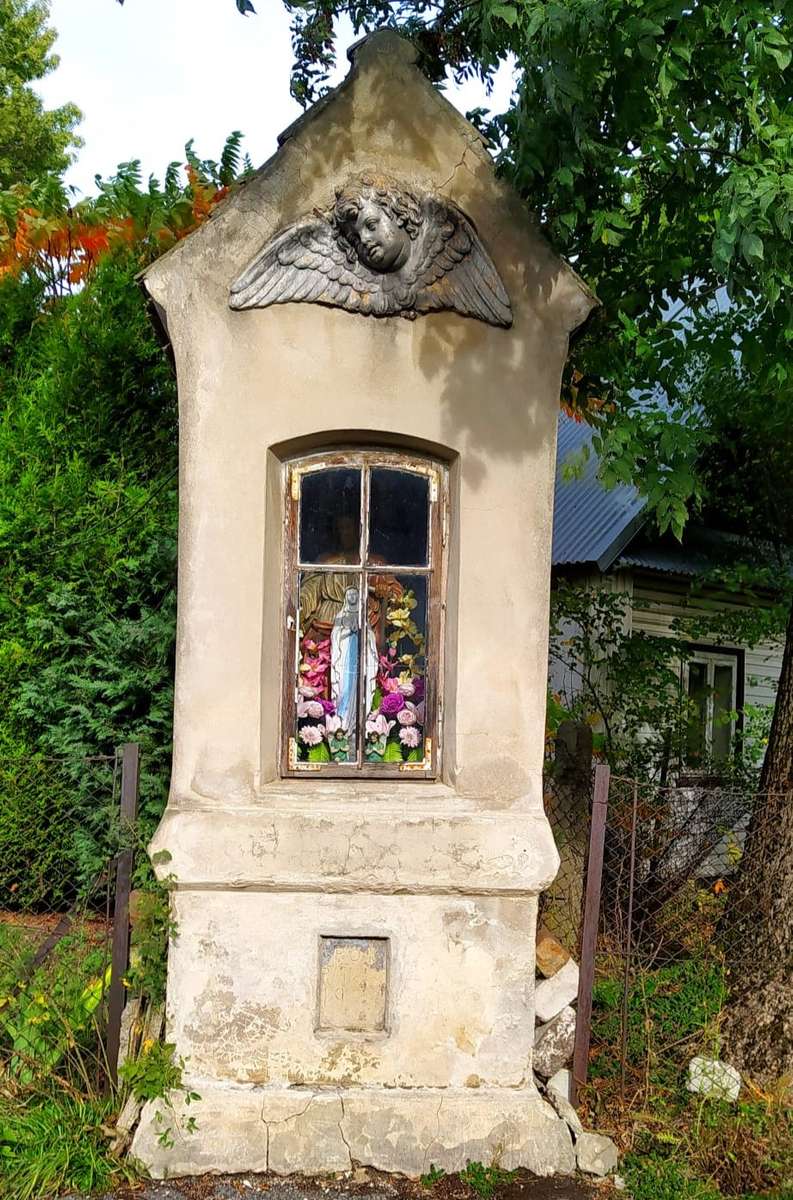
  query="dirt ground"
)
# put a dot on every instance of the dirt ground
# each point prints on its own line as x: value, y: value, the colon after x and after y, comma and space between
x: 359, y: 1185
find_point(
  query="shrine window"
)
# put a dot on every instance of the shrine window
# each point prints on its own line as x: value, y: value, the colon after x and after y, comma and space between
x: 364, y: 577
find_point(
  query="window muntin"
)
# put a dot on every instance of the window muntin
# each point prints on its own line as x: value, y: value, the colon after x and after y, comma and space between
x: 363, y: 614
x: 712, y: 689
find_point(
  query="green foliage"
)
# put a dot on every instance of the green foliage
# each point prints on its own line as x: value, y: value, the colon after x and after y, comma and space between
x: 650, y: 1177
x: 55, y: 1144
x: 485, y: 1181
x: 154, y: 1073
x: 629, y: 684
x: 626, y: 683
x: 433, y: 1176
x: 87, y: 554
x: 152, y: 928
x: 33, y: 141
x: 667, y: 1006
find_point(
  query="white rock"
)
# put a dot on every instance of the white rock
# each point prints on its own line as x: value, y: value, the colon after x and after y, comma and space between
x: 596, y: 1154
x: 554, y: 994
x: 562, y: 1083
x: 553, y: 1043
x: 565, y: 1111
x: 714, y: 1079
x: 619, y: 1183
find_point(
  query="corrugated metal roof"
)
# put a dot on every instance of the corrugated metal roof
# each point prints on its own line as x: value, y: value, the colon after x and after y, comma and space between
x: 590, y: 524
x: 701, y: 551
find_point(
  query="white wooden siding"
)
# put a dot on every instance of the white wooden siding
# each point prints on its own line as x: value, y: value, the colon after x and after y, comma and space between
x: 669, y: 599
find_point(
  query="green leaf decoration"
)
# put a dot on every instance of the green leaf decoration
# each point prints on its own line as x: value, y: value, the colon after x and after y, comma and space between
x: 393, y: 752
x: 416, y: 755
x: 319, y: 753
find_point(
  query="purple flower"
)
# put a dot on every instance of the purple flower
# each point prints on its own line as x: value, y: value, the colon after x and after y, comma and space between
x: 328, y: 706
x: 410, y: 736
x: 393, y: 703
x: 418, y: 688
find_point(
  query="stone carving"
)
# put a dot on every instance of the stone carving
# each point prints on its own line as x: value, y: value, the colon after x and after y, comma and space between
x: 381, y: 250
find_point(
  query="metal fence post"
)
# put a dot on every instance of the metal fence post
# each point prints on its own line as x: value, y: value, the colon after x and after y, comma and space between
x: 130, y: 773
x: 586, y: 977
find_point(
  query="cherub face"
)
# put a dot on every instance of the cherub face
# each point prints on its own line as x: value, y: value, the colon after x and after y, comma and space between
x: 380, y: 243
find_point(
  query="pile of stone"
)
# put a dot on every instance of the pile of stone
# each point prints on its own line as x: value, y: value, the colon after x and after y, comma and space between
x: 554, y: 1039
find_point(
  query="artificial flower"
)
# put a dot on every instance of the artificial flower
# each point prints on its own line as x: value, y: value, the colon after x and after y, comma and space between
x: 332, y: 723
x: 306, y: 690
x: 407, y: 715
x: 328, y: 706
x: 311, y: 735
x: 310, y: 708
x: 410, y: 736
x: 392, y: 703
x: 378, y: 726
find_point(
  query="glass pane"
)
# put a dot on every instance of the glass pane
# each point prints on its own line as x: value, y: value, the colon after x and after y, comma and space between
x: 395, y: 668
x: 330, y: 516
x: 327, y: 674
x: 698, y: 712
x: 722, y: 711
x: 399, y: 506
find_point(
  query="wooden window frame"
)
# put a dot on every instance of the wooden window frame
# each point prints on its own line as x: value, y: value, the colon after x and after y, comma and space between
x: 435, y: 572
x: 710, y: 657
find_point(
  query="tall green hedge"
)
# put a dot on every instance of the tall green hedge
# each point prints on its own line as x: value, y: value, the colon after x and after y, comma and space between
x: 88, y: 495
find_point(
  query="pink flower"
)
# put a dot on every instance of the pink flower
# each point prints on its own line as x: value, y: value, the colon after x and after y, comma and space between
x: 310, y: 708
x: 420, y: 713
x: 388, y: 685
x: 407, y: 716
x: 407, y: 688
x: 392, y: 704
x: 332, y: 723
x: 410, y: 736
x: 306, y: 690
x: 378, y: 726
x: 311, y: 735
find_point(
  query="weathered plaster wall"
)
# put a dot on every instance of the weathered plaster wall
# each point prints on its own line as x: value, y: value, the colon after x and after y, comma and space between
x: 249, y: 381
x: 447, y: 871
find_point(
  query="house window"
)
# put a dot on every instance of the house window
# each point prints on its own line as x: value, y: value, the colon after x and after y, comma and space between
x: 712, y: 686
x: 364, y: 549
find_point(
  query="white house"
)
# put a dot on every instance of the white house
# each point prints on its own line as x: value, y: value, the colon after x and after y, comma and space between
x: 605, y: 538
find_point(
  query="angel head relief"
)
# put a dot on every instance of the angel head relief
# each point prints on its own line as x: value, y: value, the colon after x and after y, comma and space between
x: 378, y: 224
x: 380, y: 250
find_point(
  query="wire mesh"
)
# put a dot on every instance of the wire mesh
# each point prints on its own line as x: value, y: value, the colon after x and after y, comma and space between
x: 59, y: 836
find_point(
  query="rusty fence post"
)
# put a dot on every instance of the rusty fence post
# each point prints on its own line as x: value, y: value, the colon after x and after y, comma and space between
x: 586, y: 977
x: 626, y: 982
x: 130, y: 773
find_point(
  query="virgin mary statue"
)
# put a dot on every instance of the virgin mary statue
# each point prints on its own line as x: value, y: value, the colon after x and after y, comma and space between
x: 344, y: 642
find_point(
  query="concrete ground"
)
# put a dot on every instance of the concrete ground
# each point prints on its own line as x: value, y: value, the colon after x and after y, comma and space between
x: 360, y: 1185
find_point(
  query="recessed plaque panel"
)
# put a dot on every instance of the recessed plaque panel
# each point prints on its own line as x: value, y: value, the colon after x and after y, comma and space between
x: 353, y: 982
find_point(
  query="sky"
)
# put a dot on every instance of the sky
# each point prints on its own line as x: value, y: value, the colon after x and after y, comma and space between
x: 152, y: 74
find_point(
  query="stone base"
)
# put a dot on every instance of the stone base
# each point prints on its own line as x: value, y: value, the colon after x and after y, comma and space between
x: 246, y: 1128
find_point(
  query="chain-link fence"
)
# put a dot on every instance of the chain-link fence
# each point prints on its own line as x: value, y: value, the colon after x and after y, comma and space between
x: 65, y: 864
x: 642, y: 902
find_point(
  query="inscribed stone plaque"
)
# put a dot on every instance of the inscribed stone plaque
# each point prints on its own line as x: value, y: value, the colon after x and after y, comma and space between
x: 353, y: 976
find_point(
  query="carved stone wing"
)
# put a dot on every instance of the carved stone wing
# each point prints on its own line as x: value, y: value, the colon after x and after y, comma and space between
x: 456, y: 271
x: 305, y: 262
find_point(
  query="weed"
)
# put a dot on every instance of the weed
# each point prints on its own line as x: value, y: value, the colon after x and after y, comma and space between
x: 433, y: 1176
x: 485, y: 1180
x: 55, y: 1143
x: 154, y: 1075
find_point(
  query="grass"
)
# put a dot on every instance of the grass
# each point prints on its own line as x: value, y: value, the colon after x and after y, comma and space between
x: 54, y: 1143
x: 678, y: 1146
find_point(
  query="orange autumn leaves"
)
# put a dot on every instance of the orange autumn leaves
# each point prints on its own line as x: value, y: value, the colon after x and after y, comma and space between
x: 41, y: 232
